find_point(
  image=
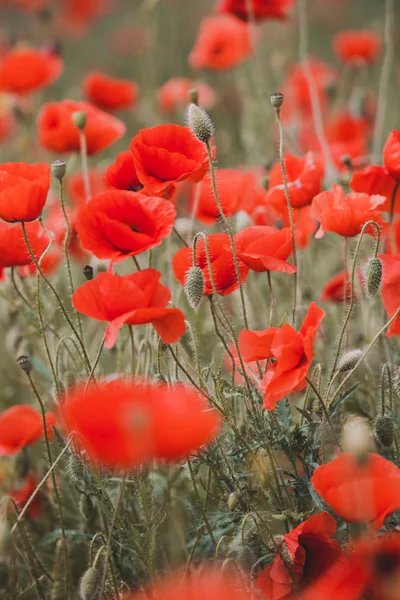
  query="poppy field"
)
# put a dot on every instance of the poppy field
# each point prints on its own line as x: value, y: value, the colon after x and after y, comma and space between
x: 200, y: 300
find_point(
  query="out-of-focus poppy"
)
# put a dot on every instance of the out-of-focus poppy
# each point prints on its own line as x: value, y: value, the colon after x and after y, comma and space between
x: 347, y: 135
x: 223, y: 42
x: 122, y: 423
x: 23, y: 190
x: 109, y: 93
x: 346, y: 215
x: 376, y: 179
x: 76, y: 16
x: 55, y: 223
x: 7, y: 120
x: 130, y: 299
x: 75, y: 186
x: 174, y: 94
x: 357, y: 46
x: 222, y: 264
x: 333, y: 290
x: 49, y: 265
x: 13, y: 250
x: 57, y: 131
x: 391, y: 289
x: 393, y: 238
x: 118, y: 224
x: 359, y: 492
x: 311, y: 551
x: 21, y: 426
x: 277, y: 215
x: 21, y: 493
x: 261, y: 9
x: 265, y: 248
x: 391, y: 154
x: 166, y: 154
x: 304, y: 178
x: 293, y: 353
x: 26, y: 70
x: 130, y: 40
x: 121, y: 174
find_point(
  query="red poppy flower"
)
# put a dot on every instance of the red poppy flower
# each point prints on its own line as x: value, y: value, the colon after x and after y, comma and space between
x: 26, y: 70
x: 223, y: 42
x: 58, y: 132
x: 109, y: 93
x: 304, y: 176
x: 118, y: 224
x: 21, y: 494
x: 21, y: 426
x: 311, y: 551
x: 304, y: 223
x: 122, y: 422
x: 376, y: 179
x: 133, y: 299
x: 13, y: 250
x: 77, y: 16
x: 333, y: 290
x: 391, y: 154
x: 347, y: 135
x: 293, y: 353
x: 121, y: 174
x: 357, y: 46
x: 166, y: 154
x: 265, y: 248
x: 23, y: 191
x: 55, y: 222
x: 75, y: 186
x: 391, y: 289
x: 346, y: 215
x: 393, y: 238
x: 174, y: 94
x: 222, y: 264
x: 7, y: 120
x: 50, y: 264
x: 262, y: 9
x: 359, y: 492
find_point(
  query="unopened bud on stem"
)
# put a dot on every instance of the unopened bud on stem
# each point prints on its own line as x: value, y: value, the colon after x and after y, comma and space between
x: 194, y: 286
x: 79, y: 119
x: 58, y: 168
x: 276, y: 99
x: 372, y: 277
x: 348, y: 360
x: 200, y: 123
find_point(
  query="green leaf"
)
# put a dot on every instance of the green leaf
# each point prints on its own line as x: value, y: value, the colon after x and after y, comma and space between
x: 342, y: 398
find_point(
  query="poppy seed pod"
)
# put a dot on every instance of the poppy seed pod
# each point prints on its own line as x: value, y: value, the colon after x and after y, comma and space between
x: 90, y: 584
x: 194, y: 286
x: 276, y: 99
x: 372, y: 277
x: 348, y: 360
x: 24, y: 363
x: 79, y: 119
x: 200, y: 123
x: 88, y: 272
x: 58, y: 168
x: 384, y: 430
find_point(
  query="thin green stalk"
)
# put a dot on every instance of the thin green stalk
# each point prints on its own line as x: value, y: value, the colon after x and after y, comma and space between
x: 321, y: 401
x: 203, y: 511
x: 84, y: 164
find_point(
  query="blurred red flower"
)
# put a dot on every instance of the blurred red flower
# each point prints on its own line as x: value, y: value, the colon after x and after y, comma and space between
x: 13, y: 250
x: 49, y: 265
x: 75, y: 186
x: 333, y: 290
x: 26, y: 70
x: 391, y: 154
x: 118, y: 224
x: 174, y: 94
x: 124, y: 423
x: 357, y: 46
x: 311, y: 551
x: 110, y: 93
x: 23, y: 190
x: 304, y: 177
x: 222, y: 264
x: 359, y: 492
x: 130, y: 40
x: 166, y: 154
x: 21, y: 494
x: 77, y: 16
x: 346, y: 215
x: 391, y: 289
x: 55, y: 223
x: 21, y: 426
x: 223, y: 42
x: 293, y: 353
x: 262, y: 9
x: 57, y: 131
x: 376, y: 179
x: 130, y: 299
x: 265, y: 248
x: 277, y: 215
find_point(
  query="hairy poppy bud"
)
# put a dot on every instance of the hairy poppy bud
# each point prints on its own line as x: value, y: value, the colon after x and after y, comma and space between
x: 396, y: 381
x: 79, y: 119
x: 24, y: 363
x: 76, y: 468
x: 233, y: 500
x: 372, y: 277
x: 90, y: 584
x: 384, y: 430
x: 276, y: 99
x: 194, y: 286
x: 58, y: 168
x: 86, y: 507
x: 200, y: 123
x: 88, y: 272
x: 348, y: 360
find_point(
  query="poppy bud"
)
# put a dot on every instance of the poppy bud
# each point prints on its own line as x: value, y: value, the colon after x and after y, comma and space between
x: 88, y: 272
x: 396, y: 381
x: 194, y: 96
x: 86, y: 507
x: 357, y: 437
x: 233, y: 500
x: 384, y: 430
x: 194, y: 286
x: 372, y: 277
x: 348, y: 360
x: 4, y: 575
x: 200, y: 123
x: 24, y: 363
x: 276, y: 99
x: 90, y: 584
x: 75, y: 468
x: 79, y: 119
x: 58, y: 168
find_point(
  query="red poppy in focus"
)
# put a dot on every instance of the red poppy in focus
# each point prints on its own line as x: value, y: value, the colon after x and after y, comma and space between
x: 304, y: 177
x: 118, y: 224
x: 222, y: 264
x: 277, y: 215
x: 357, y: 46
x: 261, y: 9
x: 391, y: 289
x: 391, y: 154
x: 75, y: 186
x: 346, y: 215
x: 13, y: 250
x: 223, y: 42
x: 26, y: 70
x: 166, y: 154
x: 57, y: 131
x: 376, y: 179
x: 21, y: 426
x: 122, y: 423
x: 131, y: 299
x: 293, y: 353
x: 121, y: 174
x: 174, y: 94
x: 23, y: 191
x: 365, y: 492
x: 109, y: 93
x: 311, y: 552
x: 265, y: 248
